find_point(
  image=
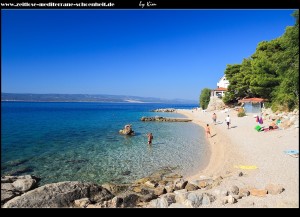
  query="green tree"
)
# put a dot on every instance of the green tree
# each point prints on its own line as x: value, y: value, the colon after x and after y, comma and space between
x: 276, y: 69
x: 272, y: 72
x: 232, y: 73
x: 264, y: 78
x: 286, y: 96
x: 244, y: 79
x: 204, y: 98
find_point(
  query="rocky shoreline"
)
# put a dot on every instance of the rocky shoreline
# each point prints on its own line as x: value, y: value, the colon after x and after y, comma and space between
x: 164, y: 119
x: 162, y: 189
x: 164, y: 110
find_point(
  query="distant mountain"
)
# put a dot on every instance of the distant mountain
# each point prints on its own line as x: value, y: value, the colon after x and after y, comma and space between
x: 28, y: 97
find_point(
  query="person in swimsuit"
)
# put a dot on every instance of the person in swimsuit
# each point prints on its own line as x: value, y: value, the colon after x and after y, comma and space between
x: 150, y: 137
x: 207, y: 131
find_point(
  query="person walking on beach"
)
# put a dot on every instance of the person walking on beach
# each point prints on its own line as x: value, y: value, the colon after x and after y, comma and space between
x: 227, y: 119
x: 214, y: 117
x: 150, y: 137
x: 207, y: 130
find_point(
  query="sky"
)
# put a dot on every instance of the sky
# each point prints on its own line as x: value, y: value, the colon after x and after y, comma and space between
x: 169, y: 54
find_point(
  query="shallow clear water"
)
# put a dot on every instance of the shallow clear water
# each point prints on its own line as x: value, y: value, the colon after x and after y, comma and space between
x: 80, y: 141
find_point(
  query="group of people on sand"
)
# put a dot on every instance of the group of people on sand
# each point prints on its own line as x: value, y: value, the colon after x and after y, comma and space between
x: 214, y: 118
x: 273, y: 125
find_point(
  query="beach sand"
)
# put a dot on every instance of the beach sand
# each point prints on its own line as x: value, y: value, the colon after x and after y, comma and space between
x: 242, y: 145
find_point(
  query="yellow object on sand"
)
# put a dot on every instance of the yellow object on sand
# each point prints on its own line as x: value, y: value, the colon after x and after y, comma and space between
x: 253, y: 167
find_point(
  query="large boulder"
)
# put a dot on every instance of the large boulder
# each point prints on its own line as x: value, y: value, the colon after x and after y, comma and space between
x: 115, y: 188
x: 158, y: 203
x: 12, y: 186
x: 24, y: 185
x: 132, y: 199
x: 126, y: 132
x: 61, y: 194
x: 215, y: 104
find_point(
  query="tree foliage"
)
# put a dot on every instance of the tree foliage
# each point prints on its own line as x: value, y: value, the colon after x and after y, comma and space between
x: 272, y: 72
x: 204, y: 98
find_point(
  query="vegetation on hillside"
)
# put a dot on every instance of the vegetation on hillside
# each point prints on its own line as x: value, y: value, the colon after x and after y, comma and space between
x: 204, y: 98
x: 272, y: 72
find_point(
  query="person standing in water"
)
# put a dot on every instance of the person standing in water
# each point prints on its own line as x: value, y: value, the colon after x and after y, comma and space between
x: 150, y: 137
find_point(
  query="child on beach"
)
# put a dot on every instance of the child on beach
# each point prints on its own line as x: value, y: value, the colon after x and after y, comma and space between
x: 214, y: 117
x: 150, y: 137
x: 207, y: 130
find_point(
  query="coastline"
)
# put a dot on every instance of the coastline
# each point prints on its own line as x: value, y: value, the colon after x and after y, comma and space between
x: 242, y: 145
x: 271, y: 182
x: 219, y: 146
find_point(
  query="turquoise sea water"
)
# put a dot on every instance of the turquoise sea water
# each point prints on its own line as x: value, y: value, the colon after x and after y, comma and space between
x: 80, y: 141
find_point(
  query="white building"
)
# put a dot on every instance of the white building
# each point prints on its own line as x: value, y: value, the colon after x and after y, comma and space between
x: 223, y: 82
x: 221, y: 88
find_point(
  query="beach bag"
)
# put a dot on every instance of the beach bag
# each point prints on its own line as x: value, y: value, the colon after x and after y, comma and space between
x: 257, y: 128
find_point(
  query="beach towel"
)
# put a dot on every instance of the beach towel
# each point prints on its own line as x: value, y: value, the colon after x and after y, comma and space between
x: 246, y: 167
x: 257, y: 128
x: 292, y: 153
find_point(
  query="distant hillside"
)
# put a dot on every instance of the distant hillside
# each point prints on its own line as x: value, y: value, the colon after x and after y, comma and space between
x: 27, y: 97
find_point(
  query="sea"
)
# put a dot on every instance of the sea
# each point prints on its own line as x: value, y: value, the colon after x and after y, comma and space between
x: 80, y: 141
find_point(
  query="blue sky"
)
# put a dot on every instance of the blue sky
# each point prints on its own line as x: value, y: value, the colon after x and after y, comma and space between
x: 152, y: 53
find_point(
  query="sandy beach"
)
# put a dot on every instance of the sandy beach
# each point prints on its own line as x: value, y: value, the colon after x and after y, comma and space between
x: 241, y: 145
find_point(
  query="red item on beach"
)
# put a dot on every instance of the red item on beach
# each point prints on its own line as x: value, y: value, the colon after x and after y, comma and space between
x: 257, y: 119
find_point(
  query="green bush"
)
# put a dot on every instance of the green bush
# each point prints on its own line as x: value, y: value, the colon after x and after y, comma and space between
x: 241, y: 112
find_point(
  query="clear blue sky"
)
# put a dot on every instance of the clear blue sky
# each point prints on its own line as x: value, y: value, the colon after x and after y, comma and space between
x: 151, y: 53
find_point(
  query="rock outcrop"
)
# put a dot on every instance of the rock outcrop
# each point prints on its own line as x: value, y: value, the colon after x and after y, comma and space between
x: 164, y: 119
x: 61, y: 194
x: 215, y: 103
x: 127, y: 130
x: 12, y: 186
x: 164, y: 110
x: 287, y: 119
x: 162, y: 189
